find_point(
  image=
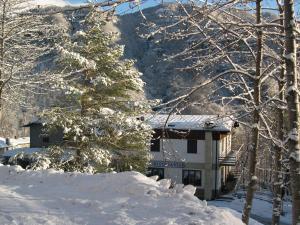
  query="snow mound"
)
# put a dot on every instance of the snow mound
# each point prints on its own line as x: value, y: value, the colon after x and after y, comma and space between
x: 54, y: 197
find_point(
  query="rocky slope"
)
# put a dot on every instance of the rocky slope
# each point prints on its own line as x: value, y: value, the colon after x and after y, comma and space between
x: 163, y: 77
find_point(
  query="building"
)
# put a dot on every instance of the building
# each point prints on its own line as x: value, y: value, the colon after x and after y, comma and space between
x: 192, y: 149
x: 40, y: 138
x: 38, y: 141
x: 188, y: 149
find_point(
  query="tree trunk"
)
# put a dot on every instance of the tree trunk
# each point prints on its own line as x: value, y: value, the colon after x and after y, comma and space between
x: 256, y: 120
x: 2, y: 45
x: 278, y: 175
x: 293, y: 106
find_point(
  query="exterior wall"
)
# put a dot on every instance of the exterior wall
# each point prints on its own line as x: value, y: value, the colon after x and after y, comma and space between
x: 176, y: 150
x: 36, y: 137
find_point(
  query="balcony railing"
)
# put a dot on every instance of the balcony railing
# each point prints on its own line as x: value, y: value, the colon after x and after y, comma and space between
x: 228, y: 160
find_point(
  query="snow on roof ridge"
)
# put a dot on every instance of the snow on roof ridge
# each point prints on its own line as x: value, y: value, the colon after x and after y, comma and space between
x: 197, y: 122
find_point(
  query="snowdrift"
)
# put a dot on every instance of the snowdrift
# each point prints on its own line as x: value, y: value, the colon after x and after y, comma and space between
x: 54, y: 197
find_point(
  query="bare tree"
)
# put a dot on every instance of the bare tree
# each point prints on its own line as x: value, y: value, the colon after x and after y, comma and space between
x: 24, y: 39
x: 222, y: 34
x: 292, y: 97
x: 256, y: 117
x: 279, y: 149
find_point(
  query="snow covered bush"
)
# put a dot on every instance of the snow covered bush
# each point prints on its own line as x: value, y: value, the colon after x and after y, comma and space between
x: 100, y: 111
x: 34, y: 161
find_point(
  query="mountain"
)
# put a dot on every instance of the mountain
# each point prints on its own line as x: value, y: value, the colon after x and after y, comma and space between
x: 163, y: 76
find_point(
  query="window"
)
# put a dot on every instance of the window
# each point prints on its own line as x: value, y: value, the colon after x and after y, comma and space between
x: 46, y: 139
x: 191, y: 177
x: 156, y: 172
x: 192, y: 146
x: 155, y: 145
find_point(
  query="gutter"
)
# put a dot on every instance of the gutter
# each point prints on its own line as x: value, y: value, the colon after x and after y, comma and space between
x: 216, y: 171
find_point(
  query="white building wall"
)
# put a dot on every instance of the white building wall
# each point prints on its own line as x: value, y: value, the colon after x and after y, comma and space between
x: 176, y: 150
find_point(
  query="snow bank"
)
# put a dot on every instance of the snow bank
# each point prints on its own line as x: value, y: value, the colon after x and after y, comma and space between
x: 262, y: 206
x: 53, y: 197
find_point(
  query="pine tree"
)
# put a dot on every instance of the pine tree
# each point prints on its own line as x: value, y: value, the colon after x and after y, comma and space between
x: 101, y: 129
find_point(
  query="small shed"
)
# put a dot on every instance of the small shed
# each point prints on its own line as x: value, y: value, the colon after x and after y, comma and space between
x: 40, y: 137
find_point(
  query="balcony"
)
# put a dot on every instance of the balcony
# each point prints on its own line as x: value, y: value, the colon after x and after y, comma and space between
x: 228, y: 160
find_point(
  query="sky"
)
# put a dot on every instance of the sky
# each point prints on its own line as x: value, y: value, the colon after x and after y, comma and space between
x: 126, y: 8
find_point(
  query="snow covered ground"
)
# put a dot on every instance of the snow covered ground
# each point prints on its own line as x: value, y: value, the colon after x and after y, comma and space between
x: 262, y: 207
x: 52, y: 197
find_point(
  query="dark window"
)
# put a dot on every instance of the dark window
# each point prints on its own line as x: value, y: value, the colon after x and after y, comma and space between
x: 155, y: 145
x: 156, y: 172
x: 191, y: 177
x: 192, y: 146
x: 46, y: 139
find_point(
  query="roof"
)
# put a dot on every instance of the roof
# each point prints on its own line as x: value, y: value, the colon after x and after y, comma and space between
x: 36, y: 122
x: 191, y: 122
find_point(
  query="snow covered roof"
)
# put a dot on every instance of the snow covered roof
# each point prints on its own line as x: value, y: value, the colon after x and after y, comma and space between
x: 33, y: 123
x: 191, y: 122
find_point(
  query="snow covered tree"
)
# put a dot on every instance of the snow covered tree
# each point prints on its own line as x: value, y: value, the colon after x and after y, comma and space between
x: 101, y: 129
x: 24, y: 39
